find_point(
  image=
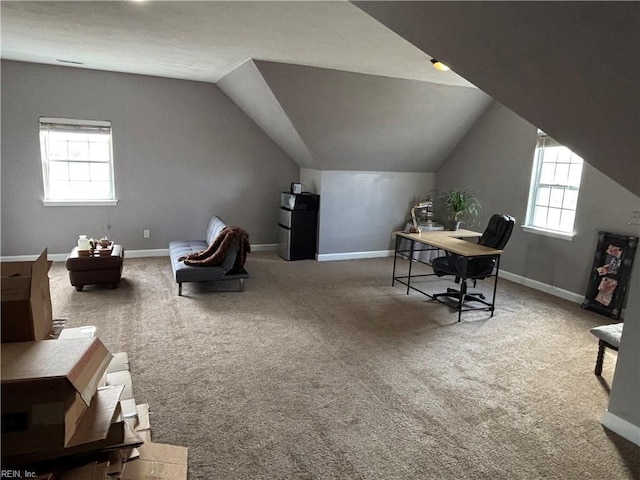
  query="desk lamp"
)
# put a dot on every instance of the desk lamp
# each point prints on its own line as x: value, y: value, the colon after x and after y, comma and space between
x: 428, y: 204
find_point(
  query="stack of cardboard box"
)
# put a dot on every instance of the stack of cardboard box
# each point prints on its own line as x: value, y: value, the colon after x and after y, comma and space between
x: 68, y: 409
x: 26, y: 300
x: 51, y: 404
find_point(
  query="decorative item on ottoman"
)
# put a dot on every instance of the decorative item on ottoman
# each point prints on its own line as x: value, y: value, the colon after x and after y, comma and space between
x: 96, y: 268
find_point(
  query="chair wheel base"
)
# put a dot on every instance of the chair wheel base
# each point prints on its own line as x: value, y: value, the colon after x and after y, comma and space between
x: 453, y: 293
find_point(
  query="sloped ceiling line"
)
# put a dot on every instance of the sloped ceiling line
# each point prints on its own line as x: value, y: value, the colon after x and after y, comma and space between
x: 381, y: 107
x: 330, y: 119
x: 247, y: 88
x: 570, y: 68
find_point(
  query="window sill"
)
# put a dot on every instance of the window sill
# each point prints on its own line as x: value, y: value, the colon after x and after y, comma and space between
x: 548, y: 233
x: 80, y: 203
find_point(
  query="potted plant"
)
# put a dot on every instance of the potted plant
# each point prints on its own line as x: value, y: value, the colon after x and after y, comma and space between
x: 460, y: 204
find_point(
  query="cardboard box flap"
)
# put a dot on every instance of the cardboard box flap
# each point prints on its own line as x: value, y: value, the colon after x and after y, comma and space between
x: 129, y: 410
x: 81, y: 362
x: 122, y: 377
x: 158, y: 461
x: 101, y: 427
x: 119, y: 363
x: 115, y: 464
x: 92, y: 471
x: 26, y: 301
x: 131, y: 439
x: 143, y: 417
x: 133, y: 454
x: 17, y: 290
x: 96, y: 422
x: 99, y: 365
x: 23, y: 269
x: 40, y: 268
x: 77, y: 332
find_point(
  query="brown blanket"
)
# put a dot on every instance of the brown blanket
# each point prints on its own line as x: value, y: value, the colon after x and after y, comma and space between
x: 218, y: 250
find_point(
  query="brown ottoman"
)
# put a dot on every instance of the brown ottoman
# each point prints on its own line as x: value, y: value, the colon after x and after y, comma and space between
x: 95, y: 269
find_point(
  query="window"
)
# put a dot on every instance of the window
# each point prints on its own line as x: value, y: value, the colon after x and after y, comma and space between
x: 77, y: 162
x: 555, y: 182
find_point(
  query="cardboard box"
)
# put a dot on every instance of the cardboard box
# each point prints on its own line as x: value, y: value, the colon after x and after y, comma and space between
x: 158, y: 461
x: 103, y: 424
x: 119, y: 363
x: 92, y: 471
x: 122, y: 377
x: 77, y: 332
x: 102, y: 427
x: 131, y: 438
x: 46, y: 388
x: 26, y: 301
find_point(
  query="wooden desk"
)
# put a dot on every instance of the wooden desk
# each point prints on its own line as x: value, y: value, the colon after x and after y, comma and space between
x: 448, y: 241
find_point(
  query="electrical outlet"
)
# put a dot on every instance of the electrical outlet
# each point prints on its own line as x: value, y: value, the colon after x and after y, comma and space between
x: 146, y: 233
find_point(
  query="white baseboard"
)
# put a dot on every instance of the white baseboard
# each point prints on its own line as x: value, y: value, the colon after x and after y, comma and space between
x: 326, y: 257
x: 620, y: 426
x: 543, y: 287
x: 159, y: 252
x: 265, y: 247
x: 31, y: 258
x: 329, y: 257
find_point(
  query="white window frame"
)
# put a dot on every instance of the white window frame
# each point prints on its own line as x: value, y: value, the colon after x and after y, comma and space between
x: 48, y: 125
x: 559, y: 187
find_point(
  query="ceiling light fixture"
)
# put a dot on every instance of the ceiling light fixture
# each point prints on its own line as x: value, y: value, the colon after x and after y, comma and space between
x: 438, y: 65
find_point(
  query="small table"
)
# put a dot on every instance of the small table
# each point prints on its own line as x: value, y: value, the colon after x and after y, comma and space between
x: 449, y: 241
x: 95, y: 269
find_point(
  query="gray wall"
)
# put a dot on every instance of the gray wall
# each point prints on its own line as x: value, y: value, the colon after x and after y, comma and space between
x: 183, y: 151
x: 353, y: 121
x: 248, y: 89
x: 625, y: 392
x: 360, y: 210
x: 496, y: 158
x: 540, y: 59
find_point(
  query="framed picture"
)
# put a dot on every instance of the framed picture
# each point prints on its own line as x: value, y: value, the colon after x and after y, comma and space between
x: 610, y: 274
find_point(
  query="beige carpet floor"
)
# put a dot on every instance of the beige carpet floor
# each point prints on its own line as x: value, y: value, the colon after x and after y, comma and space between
x: 324, y: 370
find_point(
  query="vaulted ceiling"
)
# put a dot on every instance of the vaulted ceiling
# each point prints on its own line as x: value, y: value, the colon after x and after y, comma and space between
x: 335, y: 120
x: 333, y: 87
x: 205, y: 40
x: 349, y: 85
x: 570, y: 68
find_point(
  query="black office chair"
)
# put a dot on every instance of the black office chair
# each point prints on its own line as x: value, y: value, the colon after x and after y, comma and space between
x: 495, y: 236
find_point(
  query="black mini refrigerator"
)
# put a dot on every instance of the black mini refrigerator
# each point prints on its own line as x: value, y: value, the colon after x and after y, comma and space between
x: 298, y: 226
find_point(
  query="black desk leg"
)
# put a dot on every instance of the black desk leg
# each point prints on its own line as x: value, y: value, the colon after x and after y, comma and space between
x: 495, y: 286
x: 463, y: 294
x: 410, y: 263
x: 395, y: 257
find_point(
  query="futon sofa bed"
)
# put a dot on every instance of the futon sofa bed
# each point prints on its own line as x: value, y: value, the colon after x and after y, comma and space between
x: 178, y: 250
